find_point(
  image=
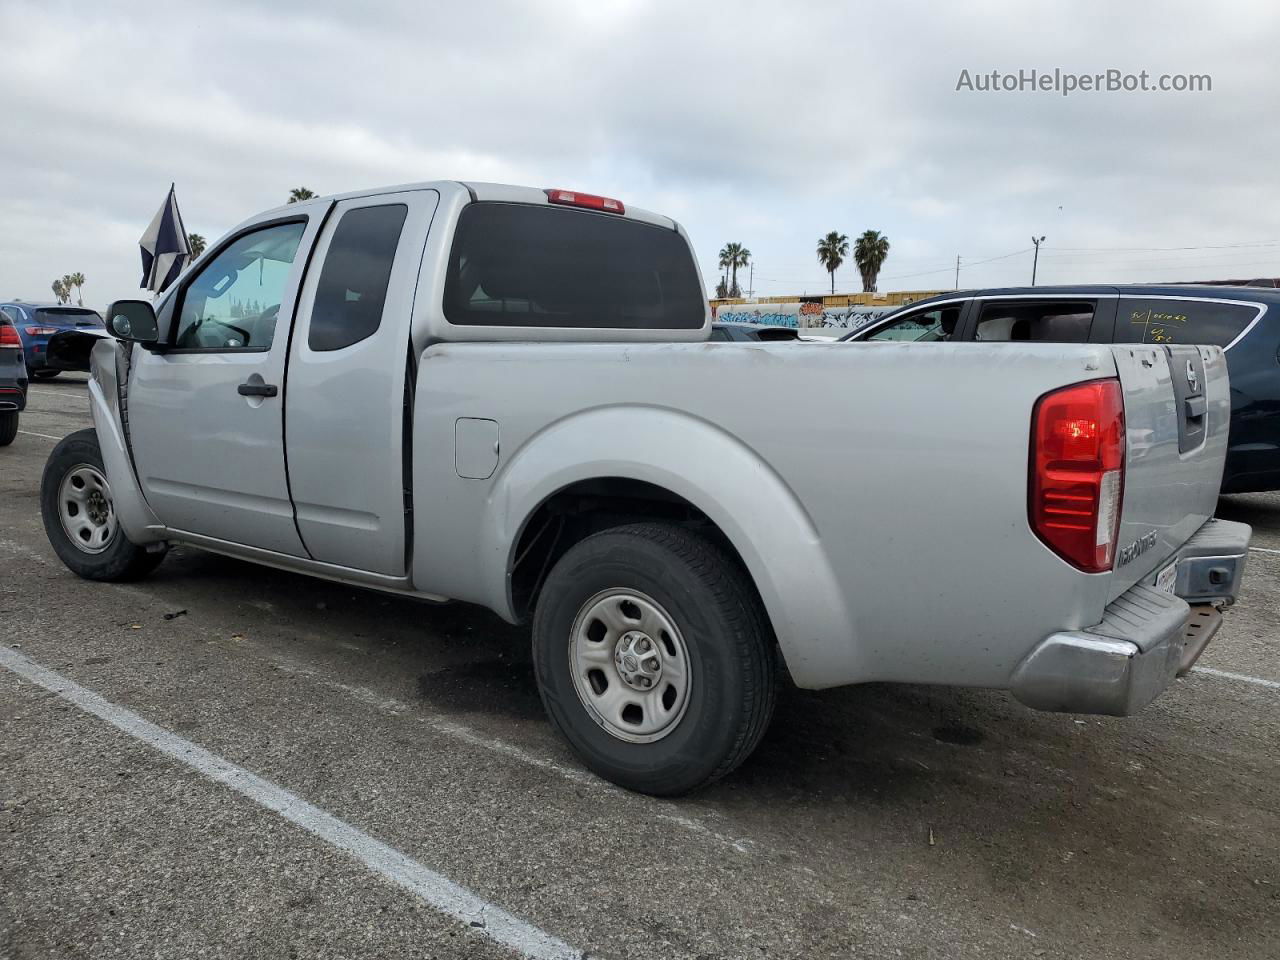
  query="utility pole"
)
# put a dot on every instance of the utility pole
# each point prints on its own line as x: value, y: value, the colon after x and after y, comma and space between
x: 957, y: 271
x: 1036, y: 260
x: 751, y: 282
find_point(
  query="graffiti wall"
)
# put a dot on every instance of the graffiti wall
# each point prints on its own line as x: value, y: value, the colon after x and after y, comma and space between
x: 805, y: 315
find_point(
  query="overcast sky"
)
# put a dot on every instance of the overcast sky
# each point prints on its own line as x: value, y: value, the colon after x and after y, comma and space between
x: 766, y: 124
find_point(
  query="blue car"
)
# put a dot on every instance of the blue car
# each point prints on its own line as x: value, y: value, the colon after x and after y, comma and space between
x: 37, y: 322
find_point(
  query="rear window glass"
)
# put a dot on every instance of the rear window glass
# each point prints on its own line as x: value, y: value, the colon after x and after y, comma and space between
x: 533, y: 266
x: 353, y: 283
x: 1182, y: 321
x: 68, y: 315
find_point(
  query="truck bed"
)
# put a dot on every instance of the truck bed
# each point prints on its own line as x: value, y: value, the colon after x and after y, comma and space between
x: 845, y: 476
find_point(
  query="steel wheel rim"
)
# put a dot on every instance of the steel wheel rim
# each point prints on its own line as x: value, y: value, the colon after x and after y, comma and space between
x: 85, y: 508
x: 630, y: 665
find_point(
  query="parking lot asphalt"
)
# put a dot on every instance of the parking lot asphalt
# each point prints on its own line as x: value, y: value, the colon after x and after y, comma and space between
x: 228, y: 760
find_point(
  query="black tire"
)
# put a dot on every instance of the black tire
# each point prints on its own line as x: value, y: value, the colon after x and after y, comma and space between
x: 45, y: 374
x: 726, y: 633
x: 120, y: 560
x: 8, y: 427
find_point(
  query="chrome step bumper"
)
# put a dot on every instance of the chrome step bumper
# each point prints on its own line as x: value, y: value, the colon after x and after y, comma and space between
x: 1146, y: 637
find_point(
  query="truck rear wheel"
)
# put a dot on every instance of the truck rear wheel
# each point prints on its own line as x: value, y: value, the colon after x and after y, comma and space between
x: 8, y: 427
x: 79, y: 515
x: 654, y: 657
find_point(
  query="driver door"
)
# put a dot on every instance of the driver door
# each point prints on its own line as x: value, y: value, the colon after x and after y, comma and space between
x: 206, y: 411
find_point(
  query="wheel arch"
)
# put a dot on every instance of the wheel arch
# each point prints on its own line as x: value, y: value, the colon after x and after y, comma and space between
x: 720, y: 485
x: 133, y: 512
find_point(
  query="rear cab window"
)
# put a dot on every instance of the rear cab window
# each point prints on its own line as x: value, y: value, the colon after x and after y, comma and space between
x: 526, y: 265
x: 1192, y: 321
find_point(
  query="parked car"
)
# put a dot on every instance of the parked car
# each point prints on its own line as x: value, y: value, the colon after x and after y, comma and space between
x: 503, y: 396
x: 752, y: 332
x: 1243, y: 321
x: 37, y: 322
x: 13, y: 381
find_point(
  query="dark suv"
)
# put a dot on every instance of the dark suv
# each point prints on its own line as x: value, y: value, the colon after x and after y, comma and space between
x: 37, y: 322
x: 1245, y: 321
x: 13, y: 381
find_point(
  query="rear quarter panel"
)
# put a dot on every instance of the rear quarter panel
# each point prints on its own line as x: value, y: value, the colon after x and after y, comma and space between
x: 877, y: 492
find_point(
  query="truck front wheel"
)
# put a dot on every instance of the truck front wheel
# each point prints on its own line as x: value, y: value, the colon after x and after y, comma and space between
x: 654, y: 657
x: 79, y: 515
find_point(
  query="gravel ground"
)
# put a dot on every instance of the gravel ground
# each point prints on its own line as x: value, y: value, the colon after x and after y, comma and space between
x: 878, y: 821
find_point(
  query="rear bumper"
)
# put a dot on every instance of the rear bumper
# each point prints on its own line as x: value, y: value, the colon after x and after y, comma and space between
x: 1146, y: 637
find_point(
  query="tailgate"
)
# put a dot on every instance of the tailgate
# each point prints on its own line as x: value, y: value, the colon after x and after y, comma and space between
x: 1177, y: 407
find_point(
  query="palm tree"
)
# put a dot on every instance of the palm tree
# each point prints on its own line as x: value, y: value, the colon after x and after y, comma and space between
x: 59, y: 291
x: 733, y: 256
x: 832, y: 249
x: 298, y: 194
x: 724, y: 265
x: 196, y: 243
x: 78, y: 279
x: 67, y: 283
x: 870, y: 252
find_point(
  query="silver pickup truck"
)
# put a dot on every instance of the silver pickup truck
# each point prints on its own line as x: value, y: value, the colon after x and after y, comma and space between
x: 507, y: 396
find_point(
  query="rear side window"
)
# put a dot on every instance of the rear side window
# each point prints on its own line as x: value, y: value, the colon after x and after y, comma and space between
x: 1035, y: 322
x: 353, y: 282
x: 532, y: 266
x: 1182, y: 321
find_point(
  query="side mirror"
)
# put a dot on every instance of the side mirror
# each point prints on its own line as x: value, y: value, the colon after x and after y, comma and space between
x: 133, y: 320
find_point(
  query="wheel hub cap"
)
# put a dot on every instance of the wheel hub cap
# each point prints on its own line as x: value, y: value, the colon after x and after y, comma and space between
x: 85, y: 508
x: 630, y: 666
x: 637, y: 659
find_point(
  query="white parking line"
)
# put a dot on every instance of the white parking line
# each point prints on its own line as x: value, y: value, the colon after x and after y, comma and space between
x: 451, y: 899
x: 1243, y: 678
x: 43, y: 436
x: 1264, y: 550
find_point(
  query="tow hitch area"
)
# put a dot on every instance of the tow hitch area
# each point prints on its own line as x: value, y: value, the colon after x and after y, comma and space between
x: 1202, y: 624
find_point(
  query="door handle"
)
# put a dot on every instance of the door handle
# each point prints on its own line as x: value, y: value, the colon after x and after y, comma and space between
x: 257, y: 390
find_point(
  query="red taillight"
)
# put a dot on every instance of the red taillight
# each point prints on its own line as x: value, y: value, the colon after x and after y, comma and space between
x: 9, y: 336
x: 1077, y: 472
x: 41, y: 331
x: 571, y: 198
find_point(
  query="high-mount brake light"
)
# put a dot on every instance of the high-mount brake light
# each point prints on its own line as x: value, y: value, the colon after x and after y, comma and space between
x: 589, y: 201
x: 1077, y: 472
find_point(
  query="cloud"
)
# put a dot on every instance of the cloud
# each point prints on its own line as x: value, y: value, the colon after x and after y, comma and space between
x: 759, y: 123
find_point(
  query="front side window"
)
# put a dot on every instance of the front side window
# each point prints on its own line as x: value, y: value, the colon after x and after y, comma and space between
x: 1182, y: 321
x: 234, y: 302
x: 526, y: 265
x: 924, y: 326
x: 1055, y: 322
x: 353, y: 283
